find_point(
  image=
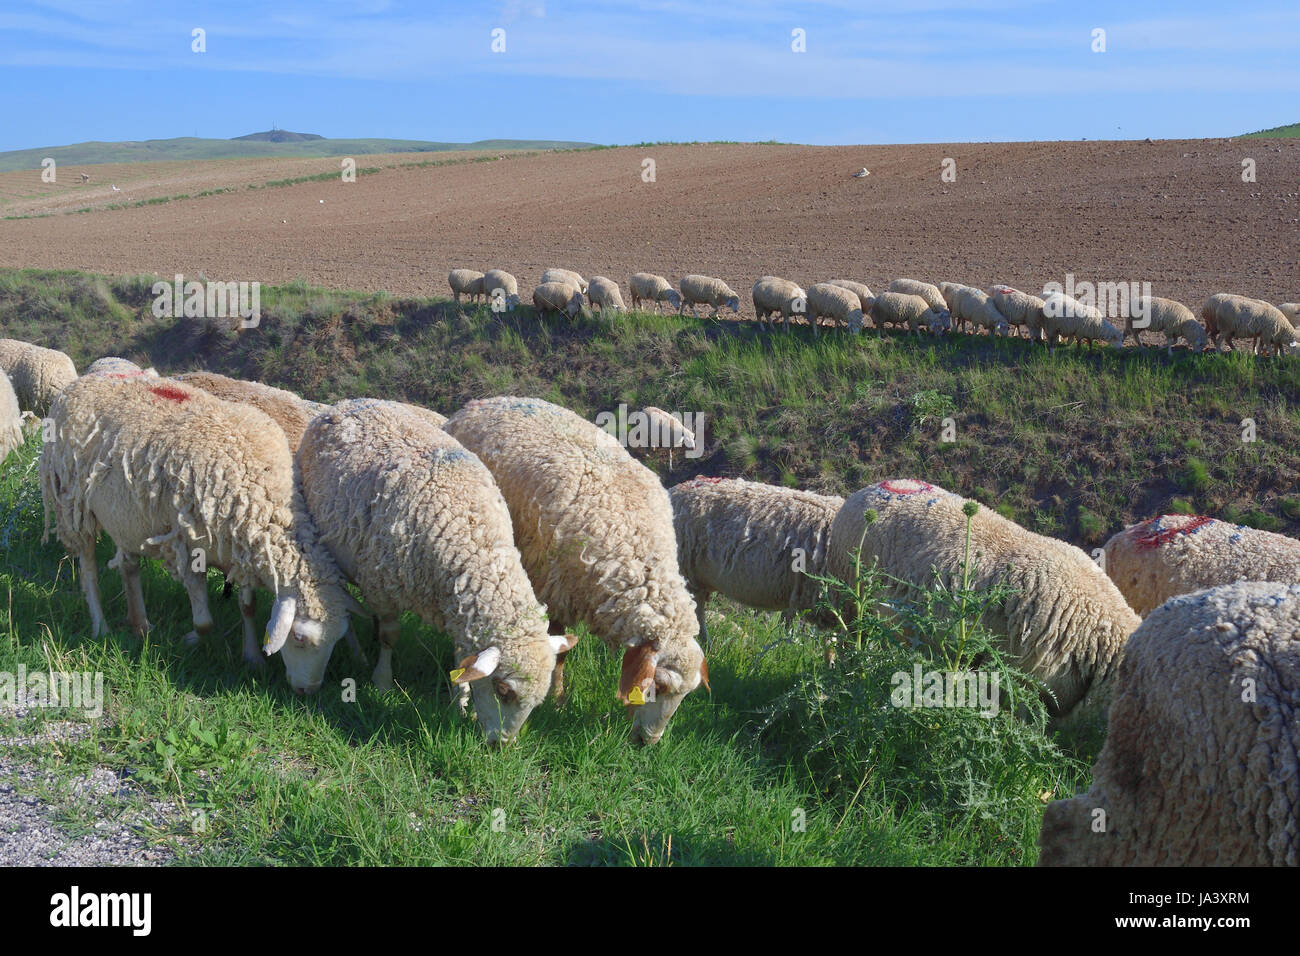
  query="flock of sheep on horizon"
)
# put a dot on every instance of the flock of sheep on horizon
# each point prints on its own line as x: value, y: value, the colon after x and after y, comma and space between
x: 911, y: 304
x: 514, y: 520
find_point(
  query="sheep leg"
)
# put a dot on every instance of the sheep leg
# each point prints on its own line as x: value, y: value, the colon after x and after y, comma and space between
x: 354, y: 645
x: 196, y: 585
x: 557, y: 675
x: 253, y: 655
x: 129, y: 567
x: 90, y: 587
x: 700, y: 601
x: 386, y: 630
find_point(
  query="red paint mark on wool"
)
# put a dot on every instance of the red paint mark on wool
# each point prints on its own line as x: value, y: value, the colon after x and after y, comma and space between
x: 124, y: 374
x: 171, y: 393
x: 905, y: 486
x: 702, y: 480
x: 1149, y: 535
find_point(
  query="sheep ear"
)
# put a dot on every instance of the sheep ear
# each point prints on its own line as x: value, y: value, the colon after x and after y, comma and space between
x: 562, y: 643
x: 477, y: 665
x: 277, y: 628
x: 636, y: 682
x: 704, y: 675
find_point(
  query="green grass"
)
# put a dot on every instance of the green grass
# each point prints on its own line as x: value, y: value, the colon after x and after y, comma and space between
x: 1291, y: 130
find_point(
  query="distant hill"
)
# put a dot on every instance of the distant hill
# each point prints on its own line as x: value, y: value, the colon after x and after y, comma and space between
x: 277, y: 136
x: 190, y: 147
x: 1278, y: 131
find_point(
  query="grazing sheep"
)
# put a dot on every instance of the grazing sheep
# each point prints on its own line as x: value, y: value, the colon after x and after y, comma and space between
x: 1067, y: 318
x: 559, y: 297
x: 969, y: 304
x: 114, y: 365
x: 465, y: 282
x: 1200, y: 765
x: 1236, y: 316
x: 927, y: 291
x: 652, y: 288
x: 566, y: 276
x: 604, y: 294
x: 170, y: 472
x: 1067, y: 622
x: 416, y: 521
x: 37, y: 374
x: 668, y: 431
x: 774, y: 294
x: 756, y: 544
x: 11, y: 419
x: 836, y: 303
x: 1020, y: 308
x: 703, y: 290
x: 1291, y: 310
x: 595, y: 529
x: 499, y: 284
x: 863, y: 292
x: 900, y: 308
x: 1172, y: 318
x: 1170, y: 555
x: 289, y: 411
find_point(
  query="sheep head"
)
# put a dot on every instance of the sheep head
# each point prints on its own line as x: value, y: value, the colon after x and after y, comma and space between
x: 508, y: 680
x: 652, y: 685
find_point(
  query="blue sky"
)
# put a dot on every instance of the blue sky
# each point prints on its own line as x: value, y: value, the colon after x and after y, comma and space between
x: 873, y: 72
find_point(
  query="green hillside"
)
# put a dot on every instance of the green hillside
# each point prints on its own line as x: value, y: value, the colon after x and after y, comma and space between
x: 1277, y: 132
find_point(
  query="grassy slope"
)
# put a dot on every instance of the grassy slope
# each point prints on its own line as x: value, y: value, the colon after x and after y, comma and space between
x: 1288, y: 131
x: 190, y: 147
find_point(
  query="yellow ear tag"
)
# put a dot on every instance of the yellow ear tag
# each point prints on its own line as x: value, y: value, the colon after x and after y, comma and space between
x: 455, y: 675
x: 634, y: 696
x: 266, y: 639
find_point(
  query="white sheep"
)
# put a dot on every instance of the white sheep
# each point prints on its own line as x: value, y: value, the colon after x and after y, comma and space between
x: 1237, y: 316
x: 561, y: 297
x: 465, y: 282
x: 171, y: 472
x: 115, y: 365
x: 912, y: 311
x: 288, y: 410
x: 774, y: 294
x: 1291, y: 310
x: 595, y: 529
x: 1068, y: 318
x: 653, y: 288
x: 704, y: 290
x: 1200, y: 765
x: 37, y: 374
x: 11, y: 419
x: 1020, y: 308
x: 668, y: 431
x: 499, y: 285
x: 566, y: 276
x: 1172, y: 318
x: 1170, y: 555
x: 756, y: 544
x: 415, y: 519
x: 969, y: 304
x: 604, y: 294
x: 1067, y: 622
x: 926, y: 290
x: 836, y: 303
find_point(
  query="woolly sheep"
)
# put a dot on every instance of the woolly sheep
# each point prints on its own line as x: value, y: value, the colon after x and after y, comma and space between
x: 1170, y: 555
x: 703, y: 290
x: 1067, y: 623
x: 595, y: 529
x: 416, y: 521
x: 465, y: 282
x: 668, y: 431
x: 1291, y: 310
x: 508, y: 285
x: 836, y: 303
x: 604, y: 294
x: 1200, y: 765
x: 653, y: 288
x: 969, y: 304
x: 1172, y: 318
x: 901, y: 308
x: 115, y: 365
x: 286, y: 409
x: 1020, y: 308
x: 37, y: 374
x: 927, y: 291
x: 11, y: 419
x: 774, y: 294
x: 1236, y: 316
x: 167, y: 470
x: 863, y: 292
x: 1066, y: 318
x: 567, y: 276
x: 559, y: 297
x: 756, y: 544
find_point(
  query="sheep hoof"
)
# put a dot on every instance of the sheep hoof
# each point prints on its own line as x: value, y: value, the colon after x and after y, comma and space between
x: 191, y: 639
x: 383, y: 682
x: 256, y: 660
